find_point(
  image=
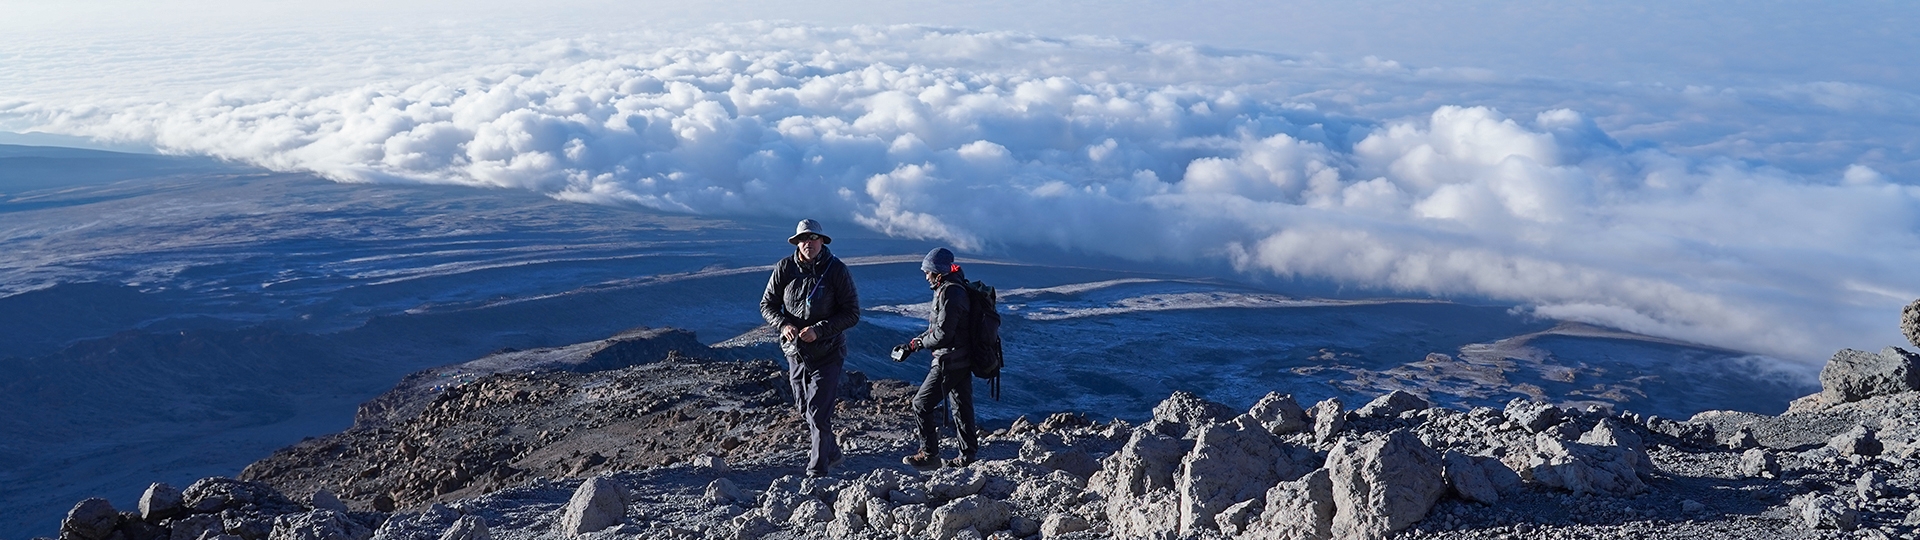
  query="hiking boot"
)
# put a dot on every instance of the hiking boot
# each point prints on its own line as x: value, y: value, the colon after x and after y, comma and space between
x: 962, y: 461
x: 922, y: 460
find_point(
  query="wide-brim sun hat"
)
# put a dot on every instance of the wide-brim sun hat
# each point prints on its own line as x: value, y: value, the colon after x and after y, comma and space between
x: 806, y: 227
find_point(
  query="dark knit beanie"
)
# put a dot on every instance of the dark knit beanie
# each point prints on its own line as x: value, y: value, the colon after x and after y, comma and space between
x: 938, y: 261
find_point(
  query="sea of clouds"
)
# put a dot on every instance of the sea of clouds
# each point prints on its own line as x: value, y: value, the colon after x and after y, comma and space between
x: 1781, y: 220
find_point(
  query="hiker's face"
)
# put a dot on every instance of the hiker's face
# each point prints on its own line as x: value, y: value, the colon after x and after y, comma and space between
x: 810, y: 246
x: 932, y: 278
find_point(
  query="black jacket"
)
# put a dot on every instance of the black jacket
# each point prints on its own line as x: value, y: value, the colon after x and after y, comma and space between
x: 947, y: 332
x: 818, y: 295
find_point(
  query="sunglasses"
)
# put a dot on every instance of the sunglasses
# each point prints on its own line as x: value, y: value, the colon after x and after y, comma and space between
x: 809, y: 237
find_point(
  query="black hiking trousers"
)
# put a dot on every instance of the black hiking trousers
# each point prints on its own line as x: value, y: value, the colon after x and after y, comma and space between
x: 956, y: 385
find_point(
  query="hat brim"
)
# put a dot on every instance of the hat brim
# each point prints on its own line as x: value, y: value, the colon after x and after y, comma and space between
x: 795, y: 239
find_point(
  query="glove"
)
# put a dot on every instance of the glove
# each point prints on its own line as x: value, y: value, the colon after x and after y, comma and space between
x: 914, y: 345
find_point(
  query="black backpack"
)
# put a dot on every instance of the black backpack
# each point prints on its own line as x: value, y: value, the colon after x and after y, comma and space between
x: 987, y: 357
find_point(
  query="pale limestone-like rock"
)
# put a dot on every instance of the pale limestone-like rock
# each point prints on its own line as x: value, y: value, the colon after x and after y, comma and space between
x: 1468, y: 478
x: 597, y: 504
x: 1818, y: 511
x: 1383, y: 484
x: 1137, y: 483
x: 468, y: 528
x: 1612, y: 432
x: 1183, y: 411
x: 91, y: 519
x: 1853, y: 375
x: 1280, y: 414
x: 847, y: 526
x: 911, y: 519
x: 810, y: 511
x: 161, y: 501
x: 1297, y: 510
x: 1583, y: 468
x: 723, y: 491
x: 1759, y: 463
x: 1871, y: 485
x: 1532, y: 415
x: 1059, y: 524
x: 318, y: 525
x: 954, y: 482
x: 1233, y: 463
x: 970, y: 512
x: 1329, y: 418
x: 1859, y: 441
x: 1910, y: 323
x: 1235, y: 519
x: 324, y: 499
x: 195, y: 526
x: 879, y: 514
x: 1392, y: 404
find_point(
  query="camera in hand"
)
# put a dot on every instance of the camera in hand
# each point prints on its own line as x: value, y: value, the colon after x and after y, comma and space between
x: 901, y: 352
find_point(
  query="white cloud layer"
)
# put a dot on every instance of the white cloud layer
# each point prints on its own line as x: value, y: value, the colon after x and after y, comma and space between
x: 1776, y: 220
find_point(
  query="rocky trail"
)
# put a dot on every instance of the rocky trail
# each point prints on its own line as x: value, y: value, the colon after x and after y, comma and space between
x: 651, y: 435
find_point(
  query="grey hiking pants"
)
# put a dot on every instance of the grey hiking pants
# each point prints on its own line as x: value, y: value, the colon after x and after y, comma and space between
x: 815, y: 388
x: 956, y: 386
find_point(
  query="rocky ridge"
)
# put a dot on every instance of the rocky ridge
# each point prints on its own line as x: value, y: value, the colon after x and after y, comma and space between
x: 694, y: 446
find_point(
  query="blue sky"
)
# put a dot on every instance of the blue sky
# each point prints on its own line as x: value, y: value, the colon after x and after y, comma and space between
x: 1737, y: 174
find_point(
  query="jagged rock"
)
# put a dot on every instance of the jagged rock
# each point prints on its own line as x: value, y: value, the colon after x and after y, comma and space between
x: 324, y: 499
x: 1871, y: 485
x: 210, y: 495
x: 1137, y: 483
x: 1057, y: 525
x: 1046, y: 451
x: 1233, y: 463
x: 1859, y: 441
x: 847, y: 526
x: 970, y: 512
x: 251, y: 525
x: 810, y: 511
x: 752, y: 525
x: 1020, y: 426
x: 1383, y: 484
x: 1759, y: 463
x: 1583, y: 468
x: 1612, y: 432
x: 193, y: 527
x: 1235, y: 519
x: 723, y: 491
x: 1329, y: 417
x: 1742, y: 439
x: 1297, y: 510
x: 1699, y: 434
x: 1534, y: 416
x: 468, y: 528
x: 879, y: 514
x: 1062, y: 421
x: 1853, y: 375
x: 1184, y: 411
x: 1279, y: 414
x: 953, y: 483
x: 1818, y: 511
x: 91, y: 519
x: 597, y: 504
x: 319, y: 525
x: 1058, y: 489
x: 1910, y: 323
x: 1391, y: 405
x: 714, y: 465
x: 1468, y: 478
x: 429, y: 523
x: 161, y: 501
x: 909, y: 495
x: 1022, y: 527
x: 911, y: 519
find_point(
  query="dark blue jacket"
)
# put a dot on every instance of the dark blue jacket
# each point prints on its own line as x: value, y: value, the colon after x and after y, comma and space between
x: 947, y: 333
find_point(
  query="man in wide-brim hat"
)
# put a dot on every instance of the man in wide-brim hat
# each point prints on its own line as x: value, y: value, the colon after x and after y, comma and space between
x: 810, y: 298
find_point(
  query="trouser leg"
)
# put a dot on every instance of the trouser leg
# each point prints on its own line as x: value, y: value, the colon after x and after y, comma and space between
x: 824, y: 390
x: 926, y: 404
x: 960, y: 394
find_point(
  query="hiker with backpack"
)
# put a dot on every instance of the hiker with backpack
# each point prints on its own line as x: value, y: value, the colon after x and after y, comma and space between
x: 950, y: 334
x: 810, y: 299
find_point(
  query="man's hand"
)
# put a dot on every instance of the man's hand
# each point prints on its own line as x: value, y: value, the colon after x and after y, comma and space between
x: 809, y: 335
x: 788, y: 332
x: 914, y: 345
